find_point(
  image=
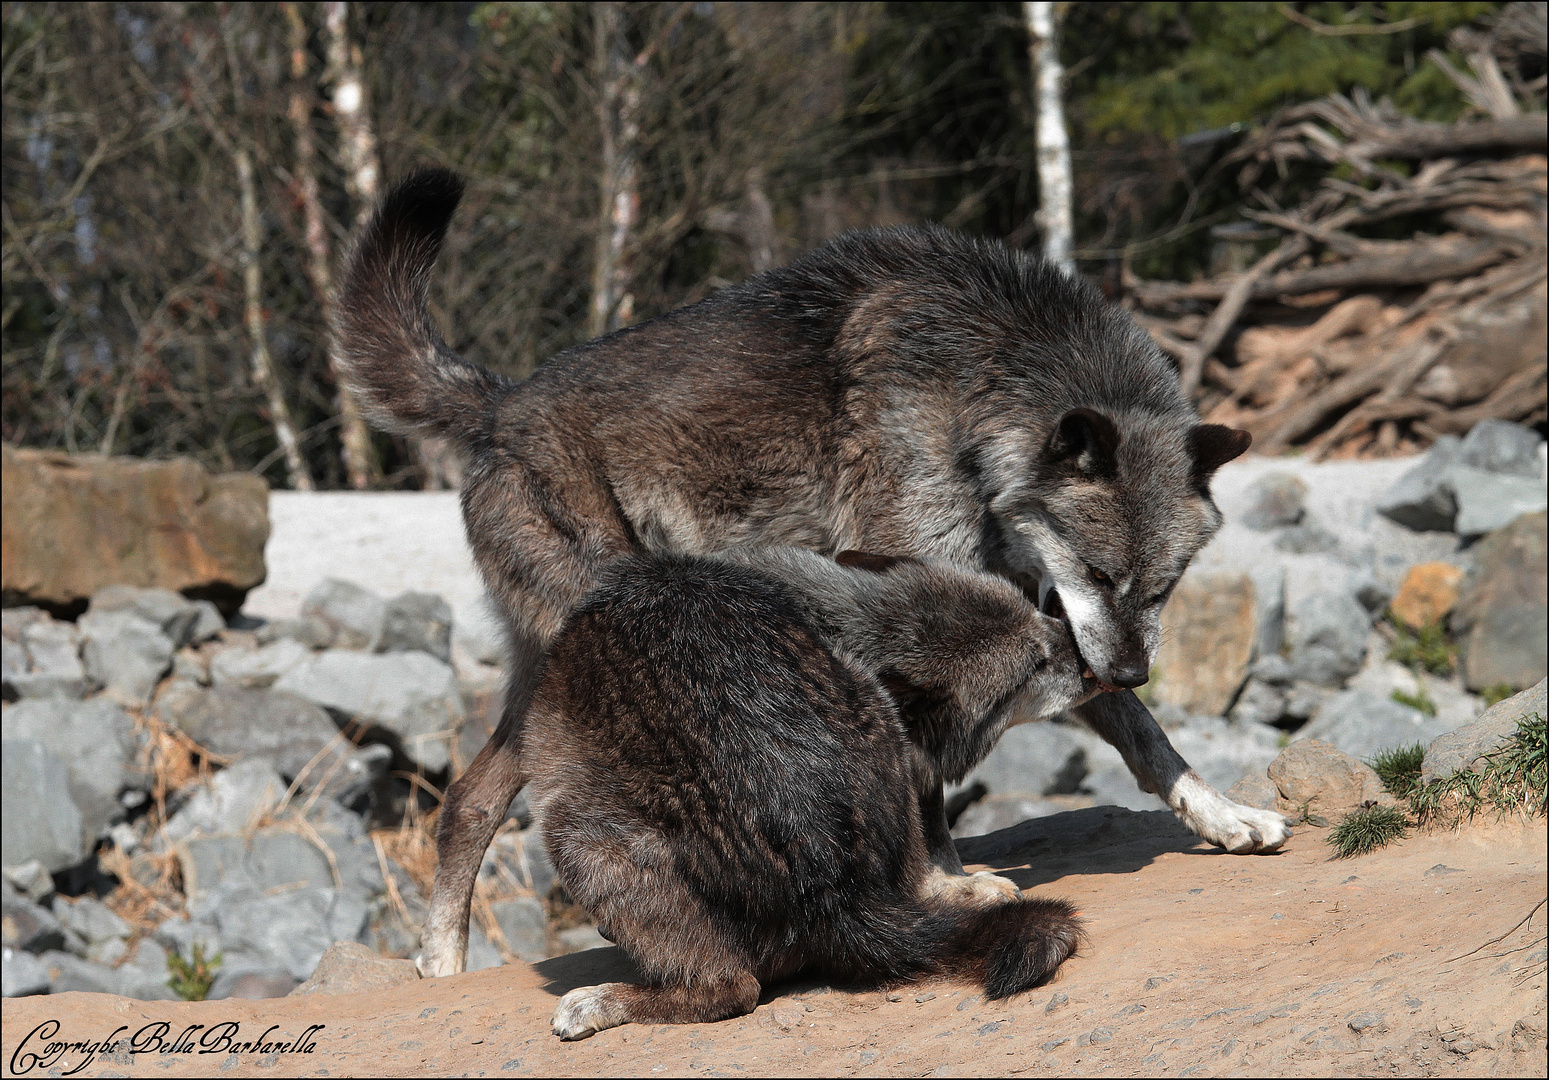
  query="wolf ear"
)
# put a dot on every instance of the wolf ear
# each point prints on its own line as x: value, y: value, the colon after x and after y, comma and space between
x: 1087, y: 440
x: 865, y: 560
x: 1213, y: 445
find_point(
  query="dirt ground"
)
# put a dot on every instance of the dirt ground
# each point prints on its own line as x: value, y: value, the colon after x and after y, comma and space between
x: 1427, y: 958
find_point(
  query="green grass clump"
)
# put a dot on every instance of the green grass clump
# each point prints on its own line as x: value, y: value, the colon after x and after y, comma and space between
x: 191, y: 979
x: 1368, y: 829
x: 1494, y: 695
x: 1417, y: 700
x: 1399, y: 769
x: 1424, y: 647
x: 1514, y: 779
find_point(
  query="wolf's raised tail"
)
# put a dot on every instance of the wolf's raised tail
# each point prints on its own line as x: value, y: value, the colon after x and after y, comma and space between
x: 1010, y: 947
x: 406, y: 377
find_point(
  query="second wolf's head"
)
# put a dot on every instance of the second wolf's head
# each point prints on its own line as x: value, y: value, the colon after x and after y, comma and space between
x: 1098, y: 518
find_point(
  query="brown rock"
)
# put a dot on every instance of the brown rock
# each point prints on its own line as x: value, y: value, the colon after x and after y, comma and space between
x: 348, y: 967
x: 1501, y: 616
x: 1207, y: 642
x: 75, y: 523
x: 1323, y: 779
x: 1428, y: 593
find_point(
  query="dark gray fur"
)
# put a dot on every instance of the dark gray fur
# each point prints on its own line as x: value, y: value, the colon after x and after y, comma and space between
x: 904, y: 391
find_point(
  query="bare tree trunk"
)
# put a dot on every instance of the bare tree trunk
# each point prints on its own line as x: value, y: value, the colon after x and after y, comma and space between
x: 362, y: 178
x: 758, y: 223
x: 1054, y: 179
x: 356, y: 441
x: 263, y: 367
x: 617, y: 111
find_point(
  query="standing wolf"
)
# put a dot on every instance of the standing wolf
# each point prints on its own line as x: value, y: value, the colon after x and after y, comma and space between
x: 904, y: 391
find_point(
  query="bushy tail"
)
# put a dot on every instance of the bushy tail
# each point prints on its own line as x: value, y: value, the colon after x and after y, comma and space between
x: 405, y: 376
x: 1008, y: 947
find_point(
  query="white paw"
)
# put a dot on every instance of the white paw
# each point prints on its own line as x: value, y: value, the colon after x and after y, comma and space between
x: 583, y: 1012
x: 434, y: 966
x: 1243, y: 830
x: 981, y: 888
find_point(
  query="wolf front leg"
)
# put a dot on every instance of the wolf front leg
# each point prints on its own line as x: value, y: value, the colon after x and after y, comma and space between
x: 1122, y: 720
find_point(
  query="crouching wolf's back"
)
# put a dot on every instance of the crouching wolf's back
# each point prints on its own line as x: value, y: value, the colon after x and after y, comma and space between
x: 734, y: 800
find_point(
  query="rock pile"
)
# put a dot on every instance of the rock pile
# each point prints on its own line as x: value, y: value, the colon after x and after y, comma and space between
x: 1287, y: 626
x: 230, y: 778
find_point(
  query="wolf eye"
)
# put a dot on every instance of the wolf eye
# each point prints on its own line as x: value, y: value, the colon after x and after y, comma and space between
x: 1098, y: 576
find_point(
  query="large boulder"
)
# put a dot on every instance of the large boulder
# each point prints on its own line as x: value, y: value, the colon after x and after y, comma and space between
x: 1208, y: 634
x: 124, y: 654
x: 412, y: 695
x: 1502, y: 618
x: 286, y: 730
x: 76, y: 523
x: 40, y: 820
x: 1466, y: 747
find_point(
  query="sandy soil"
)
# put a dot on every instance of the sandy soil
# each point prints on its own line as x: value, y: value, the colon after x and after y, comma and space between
x: 1410, y: 961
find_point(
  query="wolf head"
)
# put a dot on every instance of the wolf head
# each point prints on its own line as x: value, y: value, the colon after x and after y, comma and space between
x: 1098, y: 518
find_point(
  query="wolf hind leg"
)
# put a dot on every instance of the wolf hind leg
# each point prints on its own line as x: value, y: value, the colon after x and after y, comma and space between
x: 585, y: 1011
x: 981, y: 888
x: 475, y: 805
x: 1124, y: 721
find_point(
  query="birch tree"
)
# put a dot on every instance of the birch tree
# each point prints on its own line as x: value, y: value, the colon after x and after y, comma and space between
x: 1054, y: 179
x: 618, y: 108
x: 354, y: 439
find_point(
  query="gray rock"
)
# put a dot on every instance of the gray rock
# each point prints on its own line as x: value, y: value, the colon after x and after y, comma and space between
x: 1327, y: 632
x: 1273, y: 670
x: 1490, y: 501
x: 283, y: 729
x: 1222, y: 752
x: 13, y: 620
x: 30, y: 927
x: 1260, y: 702
x: 480, y: 640
x: 1307, y: 540
x: 308, y: 630
x: 1032, y: 760
x: 68, y: 972
x: 1323, y: 779
x: 51, y: 652
x: 101, y: 932
x: 355, y: 614
x: 31, y: 879
x: 1500, y: 446
x: 190, y: 666
x: 580, y: 938
x: 1423, y: 499
x: 1500, y: 618
x: 277, y: 859
x: 236, y: 798
x: 22, y: 974
x: 1275, y: 499
x: 349, y: 967
x: 413, y: 695
x: 40, y: 820
x: 144, y: 975
x: 351, y: 775
x: 180, y: 935
x: 171, y: 613
x: 482, y: 953
x: 417, y: 622
x: 1465, y: 747
x: 98, y: 743
x: 292, y: 930
x: 525, y: 925
x: 207, y: 624
x: 1364, y: 724
x: 1001, y: 812
x: 256, y: 669
x: 252, y: 985
x: 124, y: 654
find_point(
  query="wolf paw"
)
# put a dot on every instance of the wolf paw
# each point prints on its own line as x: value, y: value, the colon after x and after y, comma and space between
x: 981, y: 888
x: 1242, y: 830
x: 584, y: 1012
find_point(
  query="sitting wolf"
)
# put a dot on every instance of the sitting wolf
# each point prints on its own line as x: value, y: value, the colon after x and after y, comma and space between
x: 905, y: 391
x: 725, y: 782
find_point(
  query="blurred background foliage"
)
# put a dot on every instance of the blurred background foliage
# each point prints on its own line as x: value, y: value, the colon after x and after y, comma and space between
x: 763, y: 129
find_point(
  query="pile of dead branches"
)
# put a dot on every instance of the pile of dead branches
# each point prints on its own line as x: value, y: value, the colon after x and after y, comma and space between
x: 1347, y: 345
